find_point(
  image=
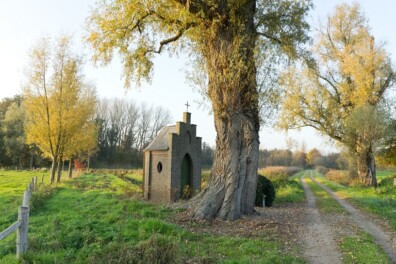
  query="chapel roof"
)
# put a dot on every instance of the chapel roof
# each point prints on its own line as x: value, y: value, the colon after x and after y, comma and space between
x: 160, y: 142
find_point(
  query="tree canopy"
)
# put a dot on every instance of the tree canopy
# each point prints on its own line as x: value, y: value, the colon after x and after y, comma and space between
x: 59, y: 103
x: 236, y: 45
x: 347, y: 73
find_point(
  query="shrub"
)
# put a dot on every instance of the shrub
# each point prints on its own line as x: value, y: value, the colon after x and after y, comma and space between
x: 264, y: 187
x: 78, y: 165
x: 187, y: 192
x: 386, y: 185
x: 339, y: 176
x: 322, y: 170
x: 388, y: 181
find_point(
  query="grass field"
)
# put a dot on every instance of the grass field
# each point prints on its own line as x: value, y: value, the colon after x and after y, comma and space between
x: 98, y: 218
x: 384, y: 174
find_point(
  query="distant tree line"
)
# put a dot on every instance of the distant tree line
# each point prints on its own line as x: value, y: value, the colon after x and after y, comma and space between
x: 285, y: 157
x: 14, y: 152
x: 298, y: 158
x: 125, y: 128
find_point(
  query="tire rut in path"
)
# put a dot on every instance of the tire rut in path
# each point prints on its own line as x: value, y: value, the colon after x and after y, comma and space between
x: 380, y: 237
x: 319, y: 241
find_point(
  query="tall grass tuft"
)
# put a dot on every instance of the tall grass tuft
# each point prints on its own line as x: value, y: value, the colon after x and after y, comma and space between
x: 339, y: 176
x: 278, y: 173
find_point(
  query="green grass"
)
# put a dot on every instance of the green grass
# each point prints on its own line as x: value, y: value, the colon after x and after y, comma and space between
x: 289, y: 190
x: 96, y: 218
x: 380, y: 201
x: 298, y: 175
x: 384, y: 174
x: 362, y: 249
x: 12, y: 186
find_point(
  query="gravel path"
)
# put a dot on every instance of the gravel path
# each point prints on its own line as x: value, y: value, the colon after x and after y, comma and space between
x: 320, y: 246
x: 387, y: 240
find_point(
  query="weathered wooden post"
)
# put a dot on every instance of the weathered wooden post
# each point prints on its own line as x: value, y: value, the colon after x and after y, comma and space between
x: 27, y: 195
x: 394, y: 181
x: 22, y: 231
x: 42, y: 179
x: 35, y: 181
x: 263, y: 200
x: 32, y: 183
x: 26, y: 198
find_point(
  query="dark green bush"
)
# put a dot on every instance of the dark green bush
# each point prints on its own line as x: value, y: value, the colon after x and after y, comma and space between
x: 264, y: 187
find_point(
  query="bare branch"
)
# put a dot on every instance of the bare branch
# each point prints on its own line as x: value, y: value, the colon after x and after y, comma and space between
x: 169, y: 40
x: 272, y: 38
x: 386, y: 84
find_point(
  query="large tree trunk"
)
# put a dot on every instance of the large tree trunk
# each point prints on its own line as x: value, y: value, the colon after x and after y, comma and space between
x: 367, y: 168
x: 232, y: 89
x: 231, y: 189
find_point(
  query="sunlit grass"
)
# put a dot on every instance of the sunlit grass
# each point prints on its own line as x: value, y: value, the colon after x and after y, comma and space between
x: 384, y: 174
x: 289, y: 191
x: 362, y: 249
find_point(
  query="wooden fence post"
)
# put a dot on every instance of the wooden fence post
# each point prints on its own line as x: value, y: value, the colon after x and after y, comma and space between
x: 35, y: 181
x: 22, y: 232
x: 42, y: 179
x: 26, y: 198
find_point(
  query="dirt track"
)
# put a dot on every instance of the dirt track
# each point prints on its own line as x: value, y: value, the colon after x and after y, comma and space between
x: 302, y: 227
x: 386, y: 239
x: 320, y: 246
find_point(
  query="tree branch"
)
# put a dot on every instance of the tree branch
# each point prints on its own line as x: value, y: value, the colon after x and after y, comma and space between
x: 166, y: 42
x: 170, y: 40
x: 386, y: 84
x: 332, y: 85
x: 272, y: 38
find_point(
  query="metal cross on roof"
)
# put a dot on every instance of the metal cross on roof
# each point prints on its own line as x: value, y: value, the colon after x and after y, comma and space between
x: 187, y: 105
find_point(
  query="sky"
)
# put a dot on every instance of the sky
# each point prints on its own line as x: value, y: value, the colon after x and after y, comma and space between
x: 23, y: 22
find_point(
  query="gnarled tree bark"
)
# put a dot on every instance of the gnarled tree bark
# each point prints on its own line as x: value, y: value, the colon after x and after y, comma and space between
x: 232, y: 89
x: 366, y: 167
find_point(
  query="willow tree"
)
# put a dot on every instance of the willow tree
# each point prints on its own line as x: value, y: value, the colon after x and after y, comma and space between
x: 229, y: 39
x: 57, y: 100
x: 346, y: 77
